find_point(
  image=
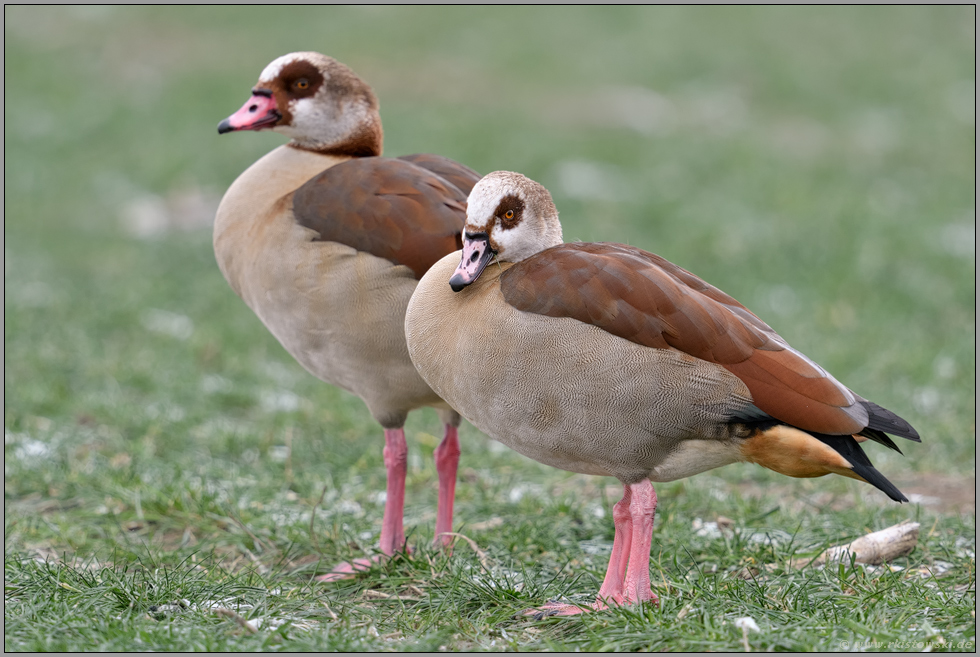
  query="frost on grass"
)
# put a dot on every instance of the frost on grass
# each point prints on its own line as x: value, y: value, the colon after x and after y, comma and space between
x: 346, y: 508
x: 960, y: 238
x: 928, y: 400
x: 279, y: 453
x: 798, y: 138
x: 166, y: 411
x: 596, y: 547
x: 877, y: 131
x: 27, y: 451
x: 220, y: 427
x: 280, y: 373
x: 585, y: 180
x: 725, y: 527
x: 916, y: 498
x: 32, y: 451
x: 215, y: 383
x: 781, y: 299
x: 235, y: 609
x: 961, y: 99
x: 32, y: 294
x: 274, y: 401
x: 149, y: 216
x: 167, y: 323
x: 637, y: 108
x: 966, y: 547
x: 705, y: 108
x: 519, y: 491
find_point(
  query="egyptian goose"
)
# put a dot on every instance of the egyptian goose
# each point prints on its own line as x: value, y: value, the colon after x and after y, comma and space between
x: 604, y: 359
x: 325, y: 240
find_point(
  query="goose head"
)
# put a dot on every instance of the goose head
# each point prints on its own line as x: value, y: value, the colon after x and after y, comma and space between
x: 508, y: 217
x: 317, y: 102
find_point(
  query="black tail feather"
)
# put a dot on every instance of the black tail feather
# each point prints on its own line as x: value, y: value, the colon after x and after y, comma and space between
x: 879, y: 437
x: 882, y: 420
x: 851, y: 450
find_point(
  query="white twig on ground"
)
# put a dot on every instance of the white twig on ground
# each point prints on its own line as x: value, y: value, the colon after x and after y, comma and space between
x: 872, y: 549
x: 244, y: 624
x: 479, y: 553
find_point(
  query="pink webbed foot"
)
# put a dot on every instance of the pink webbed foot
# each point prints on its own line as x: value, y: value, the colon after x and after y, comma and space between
x: 554, y: 608
x: 392, y: 529
x: 350, y: 569
x: 627, y: 578
x: 567, y: 609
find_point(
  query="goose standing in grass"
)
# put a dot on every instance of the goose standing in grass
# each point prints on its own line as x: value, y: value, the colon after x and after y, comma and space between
x: 604, y: 359
x: 325, y: 240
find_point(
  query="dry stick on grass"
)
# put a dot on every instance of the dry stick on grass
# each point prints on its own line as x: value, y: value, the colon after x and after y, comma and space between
x: 872, y: 549
x: 492, y: 523
x: 479, y: 553
x: 371, y: 594
x: 329, y: 610
x: 255, y: 539
x: 313, y: 538
x: 244, y: 624
x: 289, y: 457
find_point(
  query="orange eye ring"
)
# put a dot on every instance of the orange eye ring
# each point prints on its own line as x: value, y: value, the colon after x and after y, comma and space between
x: 509, y: 214
x: 302, y: 83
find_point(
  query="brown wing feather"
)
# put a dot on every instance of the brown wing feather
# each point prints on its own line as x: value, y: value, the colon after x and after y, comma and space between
x: 643, y: 298
x: 461, y: 176
x: 387, y: 207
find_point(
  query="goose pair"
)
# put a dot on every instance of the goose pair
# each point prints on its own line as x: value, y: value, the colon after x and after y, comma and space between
x: 604, y: 359
x: 325, y: 240
x: 595, y: 358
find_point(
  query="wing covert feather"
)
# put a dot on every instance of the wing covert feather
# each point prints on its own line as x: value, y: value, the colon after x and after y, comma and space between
x: 459, y: 175
x: 643, y: 298
x: 391, y: 208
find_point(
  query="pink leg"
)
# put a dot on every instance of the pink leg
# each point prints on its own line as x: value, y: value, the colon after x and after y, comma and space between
x: 392, y: 529
x: 447, y: 461
x: 642, y: 508
x: 396, y: 461
x: 611, y: 591
x: 612, y: 586
x: 627, y: 579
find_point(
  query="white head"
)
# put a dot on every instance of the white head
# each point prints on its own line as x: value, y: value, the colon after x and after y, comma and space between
x: 508, y: 216
x: 316, y: 101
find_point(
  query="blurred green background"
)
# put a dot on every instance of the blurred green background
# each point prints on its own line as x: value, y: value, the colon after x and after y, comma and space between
x: 816, y: 163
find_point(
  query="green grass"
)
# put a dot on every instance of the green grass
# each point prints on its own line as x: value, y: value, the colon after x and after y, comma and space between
x: 165, y: 458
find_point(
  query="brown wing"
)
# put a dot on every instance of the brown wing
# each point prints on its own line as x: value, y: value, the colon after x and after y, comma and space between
x: 459, y: 175
x: 386, y: 207
x: 645, y: 299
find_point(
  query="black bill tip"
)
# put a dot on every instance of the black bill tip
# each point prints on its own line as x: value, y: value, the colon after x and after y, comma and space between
x: 457, y: 283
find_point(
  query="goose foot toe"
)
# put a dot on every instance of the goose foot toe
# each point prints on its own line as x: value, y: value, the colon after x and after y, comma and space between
x: 351, y: 569
x: 555, y: 608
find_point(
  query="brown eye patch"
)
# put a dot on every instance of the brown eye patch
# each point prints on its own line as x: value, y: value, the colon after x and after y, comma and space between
x: 301, y: 79
x: 509, y: 211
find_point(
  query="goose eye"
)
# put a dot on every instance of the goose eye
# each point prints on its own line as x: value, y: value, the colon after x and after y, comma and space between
x: 302, y: 83
x: 509, y: 214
